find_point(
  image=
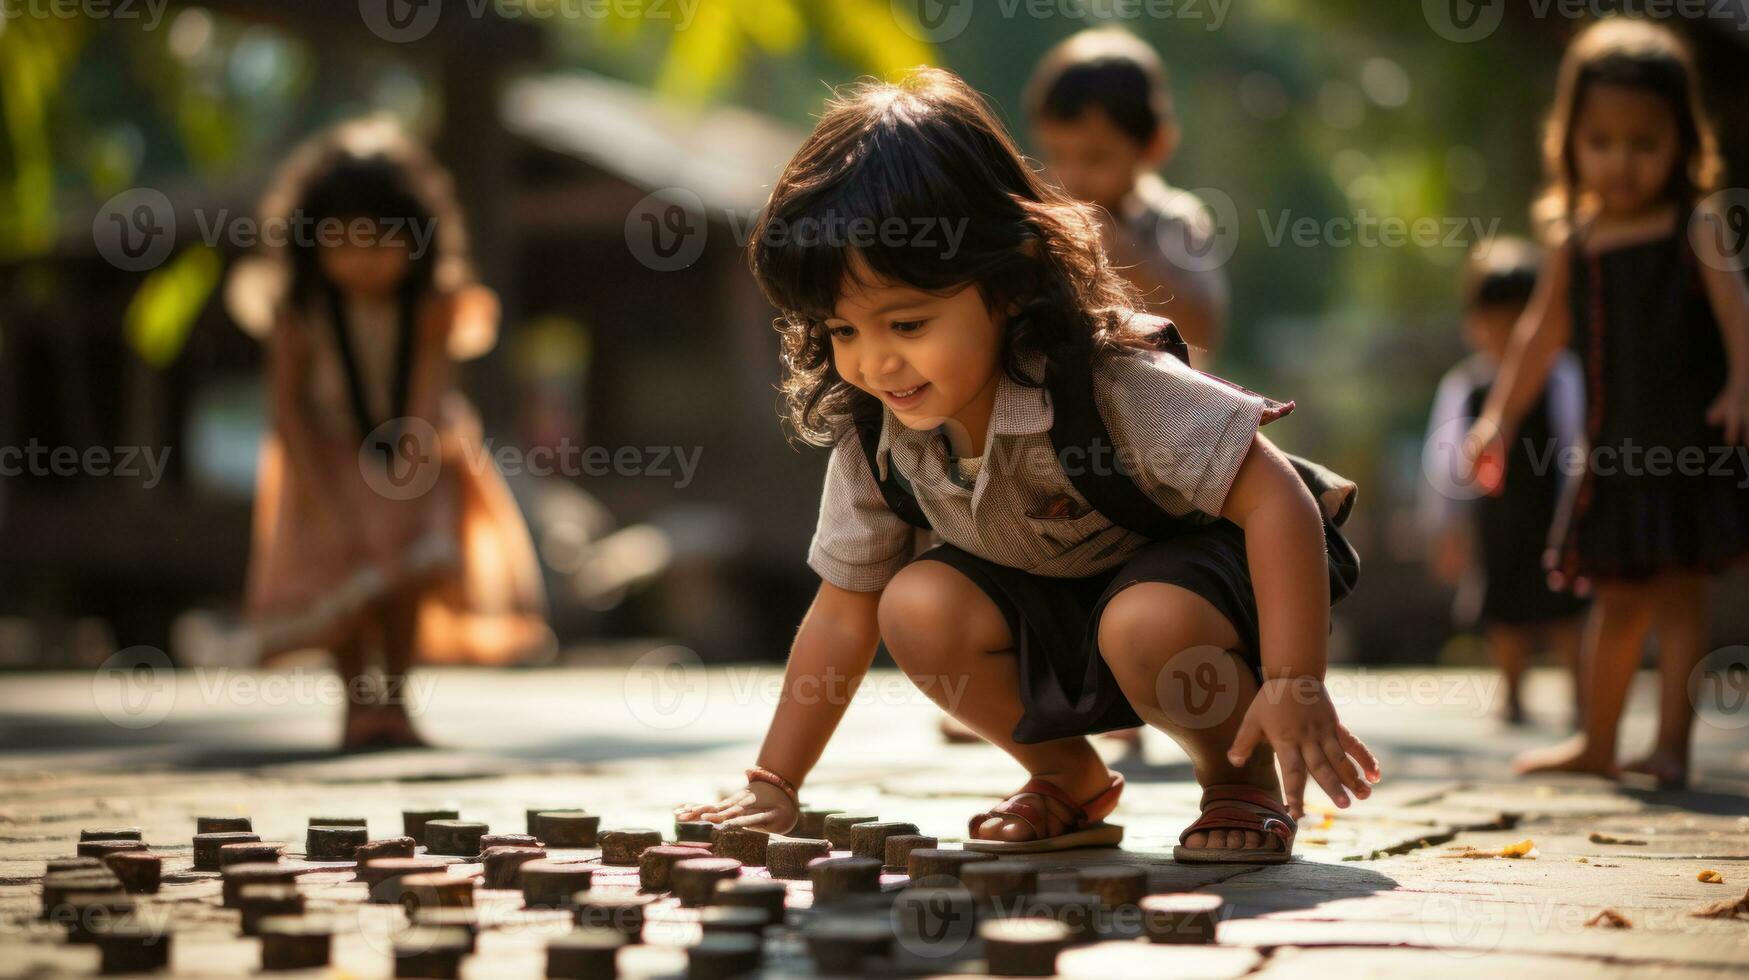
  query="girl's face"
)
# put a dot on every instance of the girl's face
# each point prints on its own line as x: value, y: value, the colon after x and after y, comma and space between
x: 1624, y: 147
x: 367, y: 263
x: 932, y: 359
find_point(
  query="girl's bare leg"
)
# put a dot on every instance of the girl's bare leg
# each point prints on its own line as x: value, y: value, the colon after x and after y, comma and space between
x: 1615, y: 637
x: 1683, y: 629
x: 1566, y: 637
x: 1509, y: 648
x: 1169, y: 649
x: 953, y: 642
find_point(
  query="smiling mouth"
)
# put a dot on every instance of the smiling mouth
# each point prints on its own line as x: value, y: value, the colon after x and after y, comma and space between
x: 904, y: 393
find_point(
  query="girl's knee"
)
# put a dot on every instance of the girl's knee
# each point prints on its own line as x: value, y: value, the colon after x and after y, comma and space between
x: 1149, y: 624
x: 930, y: 611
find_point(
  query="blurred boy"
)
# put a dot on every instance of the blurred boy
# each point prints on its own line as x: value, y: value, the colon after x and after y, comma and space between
x: 1492, y: 546
x: 1101, y: 114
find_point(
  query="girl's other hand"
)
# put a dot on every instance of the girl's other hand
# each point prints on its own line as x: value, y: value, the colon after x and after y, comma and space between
x: 1295, y: 716
x: 1482, y: 460
x: 757, y: 806
x: 1730, y: 411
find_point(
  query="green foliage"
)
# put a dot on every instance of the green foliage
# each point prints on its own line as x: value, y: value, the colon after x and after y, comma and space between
x: 169, y: 300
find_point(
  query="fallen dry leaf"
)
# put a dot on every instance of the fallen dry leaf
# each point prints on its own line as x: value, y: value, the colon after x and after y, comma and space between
x: 1581, y: 860
x: 1597, y: 838
x: 1610, y: 919
x: 1525, y: 849
x: 1711, y: 877
x: 1727, y: 909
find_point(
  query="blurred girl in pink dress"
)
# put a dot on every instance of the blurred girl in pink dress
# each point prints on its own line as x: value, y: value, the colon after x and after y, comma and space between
x: 382, y: 529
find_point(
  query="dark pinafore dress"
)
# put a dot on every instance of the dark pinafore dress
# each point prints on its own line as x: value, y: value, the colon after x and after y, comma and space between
x: 1661, y: 490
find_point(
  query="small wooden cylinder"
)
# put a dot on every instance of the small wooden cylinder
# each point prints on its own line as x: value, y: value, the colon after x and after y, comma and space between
x: 329, y: 843
x: 236, y: 876
x: 693, y: 831
x: 1023, y: 947
x: 1189, y: 918
x: 59, y: 885
x: 82, y: 914
x: 295, y: 942
x: 620, y: 911
x: 694, y: 880
x: 1119, y: 886
x: 843, y: 947
x: 896, y: 852
x: 838, y: 878
x: 260, y: 902
x: 132, y: 946
x: 568, y: 828
x: 458, y: 837
x: 943, y: 863
x: 622, y: 847
x: 112, y: 833
x: 745, y: 846
x: 742, y: 920
x: 413, y: 821
x: 811, y: 822
x: 656, y: 862
x: 989, y: 881
x: 100, y: 848
x: 140, y: 871
x: 223, y: 825
x: 250, y: 852
x: 1077, y: 910
x: 338, y: 822
x: 378, y: 870
x: 837, y: 828
x: 550, y: 884
x: 452, y: 917
x: 434, y: 889
x: 504, y: 864
x: 430, y: 952
x: 722, y: 955
x: 869, y: 840
x: 788, y: 857
x: 755, y: 893
x: 584, y: 954
x: 387, y: 847
x: 206, y: 846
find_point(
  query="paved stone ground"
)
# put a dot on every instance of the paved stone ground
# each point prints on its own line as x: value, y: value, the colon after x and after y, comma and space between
x: 1376, y: 890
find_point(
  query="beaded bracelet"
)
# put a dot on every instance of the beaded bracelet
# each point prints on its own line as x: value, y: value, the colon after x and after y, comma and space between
x: 764, y: 775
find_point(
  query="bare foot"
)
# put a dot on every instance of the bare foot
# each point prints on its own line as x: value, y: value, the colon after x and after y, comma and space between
x: 1083, y: 787
x: 1572, y: 755
x: 1236, y: 839
x: 369, y: 728
x: 1668, y: 767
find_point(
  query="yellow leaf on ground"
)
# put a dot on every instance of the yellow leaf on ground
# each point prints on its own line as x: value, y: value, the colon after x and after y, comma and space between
x: 1711, y: 877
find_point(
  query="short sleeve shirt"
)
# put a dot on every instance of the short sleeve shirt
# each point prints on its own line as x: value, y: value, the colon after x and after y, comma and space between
x: 1182, y: 434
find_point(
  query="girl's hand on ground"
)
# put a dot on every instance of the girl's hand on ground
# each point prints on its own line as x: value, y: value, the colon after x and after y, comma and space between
x: 758, y: 806
x: 1730, y: 411
x: 1295, y: 716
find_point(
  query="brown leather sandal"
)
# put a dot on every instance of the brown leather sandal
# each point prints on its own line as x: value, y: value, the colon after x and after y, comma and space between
x: 1085, y: 828
x: 1234, y: 806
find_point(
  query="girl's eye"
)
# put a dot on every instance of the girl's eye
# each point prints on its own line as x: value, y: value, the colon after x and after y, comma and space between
x: 841, y: 333
x: 907, y: 326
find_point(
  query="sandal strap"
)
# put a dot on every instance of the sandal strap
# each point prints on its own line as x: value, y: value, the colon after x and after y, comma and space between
x: 1233, y: 806
x: 1043, y: 822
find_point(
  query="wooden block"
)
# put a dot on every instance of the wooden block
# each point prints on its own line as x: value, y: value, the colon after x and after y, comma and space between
x: 99, y: 848
x: 934, y: 922
x: 133, y: 946
x: 58, y: 886
x: 811, y: 823
x: 743, y: 920
x: 464, y: 918
x: 939, y: 865
x: 722, y: 955
x: 837, y: 827
x: 755, y: 893
x: 378, y: 870
x: 869, y: 840
x: 140, y: 871
x: 503, y: 865
x: 387, y: 847
x: 989, y: 881
x: 745, y: 846
x: 1080, y: 911
x: 655, y: 863
x: 843, y: 947
x: 250, y: 852
x: 413, y: 821
x: 623, y: 912
x: 74, y: 864
x: 1119, y: 886
x: 1023, y: 947
x: 82, y: 913
x: 235, y: 876
x: 788, y: 857
x: 260, y: 902
x: 694, y: 831
x: 489, y: 841
x: 337, y: 822
x: 587, y: 953
x: 334, y: 843
x: 694, y: 880
x: 531, y: 822
x: 112, y: 833
x: 429, y: 952
x: 295, y: 942
x: 622, y: 847
x: 206, y: 846
x: 568, y: 828
x: 458, y: 837
x: 1181, y: 917
x: 841, y: 877
x: 434, y: 889
x: 223, y: 825
x: 550, y: 884
x: 896, y: 850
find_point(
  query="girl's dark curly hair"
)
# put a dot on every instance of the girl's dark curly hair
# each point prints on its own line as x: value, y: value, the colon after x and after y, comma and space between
x: 930, y: 153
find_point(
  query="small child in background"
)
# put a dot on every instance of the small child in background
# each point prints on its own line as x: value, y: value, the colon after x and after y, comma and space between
x: 1101, y: 112
x: 1492, y: 546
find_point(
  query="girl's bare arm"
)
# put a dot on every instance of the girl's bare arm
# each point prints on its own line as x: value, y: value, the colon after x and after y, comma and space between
x: 832, y: 652
x: 1542, y: 332
x: 287, y: 370
x: 1729, y: 295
